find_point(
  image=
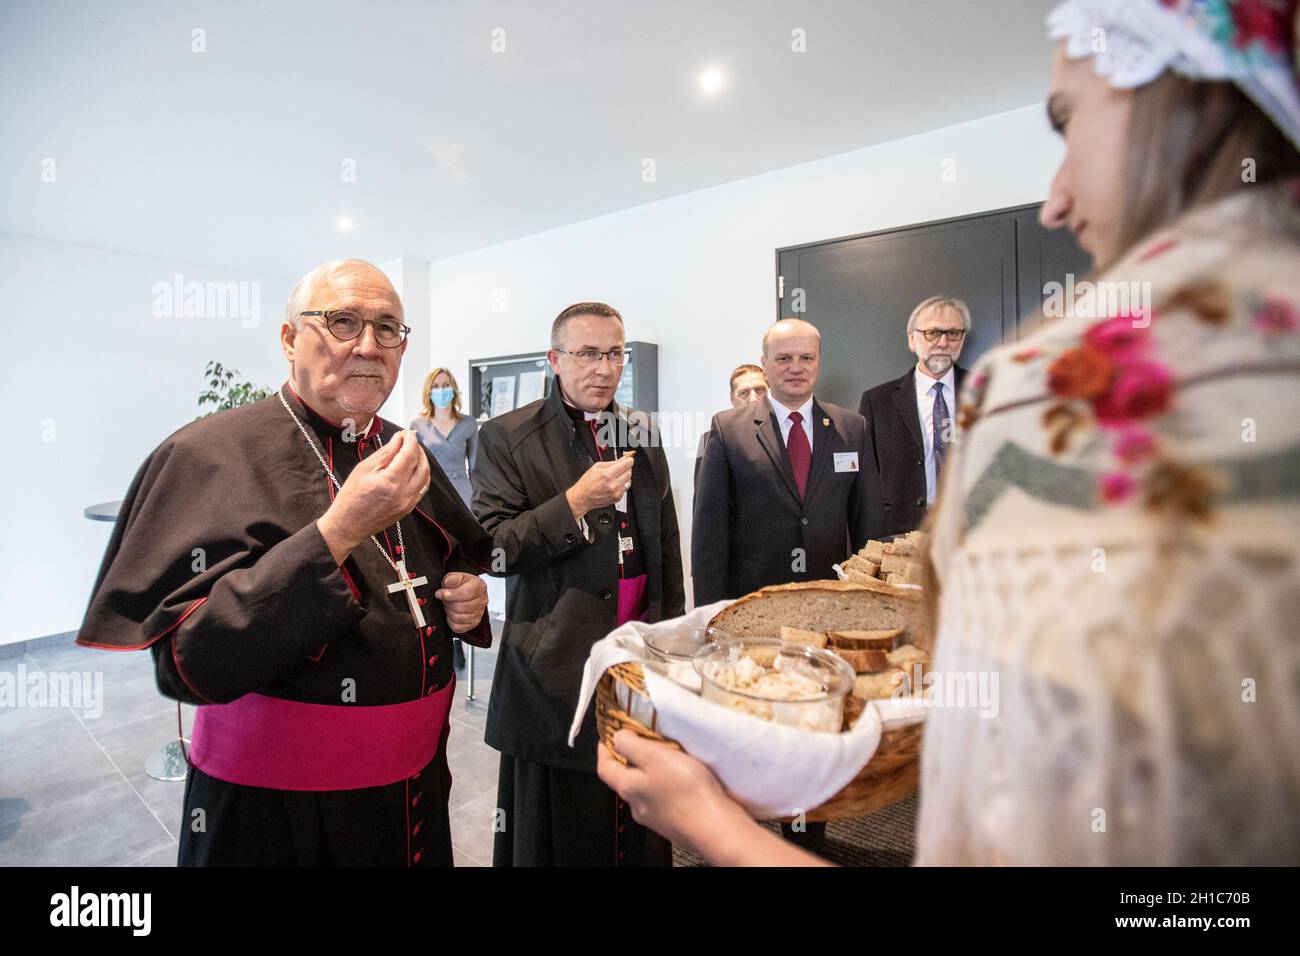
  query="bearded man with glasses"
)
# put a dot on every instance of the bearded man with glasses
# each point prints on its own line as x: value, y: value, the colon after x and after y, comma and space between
x: 910, y: 420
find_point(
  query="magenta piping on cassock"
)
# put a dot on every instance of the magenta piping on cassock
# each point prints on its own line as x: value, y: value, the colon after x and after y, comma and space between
x: 631, y: 599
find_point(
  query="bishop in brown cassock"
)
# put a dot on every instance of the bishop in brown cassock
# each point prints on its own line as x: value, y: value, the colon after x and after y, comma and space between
x: 297, y: 567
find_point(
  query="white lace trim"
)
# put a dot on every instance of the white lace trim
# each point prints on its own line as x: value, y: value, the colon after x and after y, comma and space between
x: 1131, y: 42
x: 1121, y: 735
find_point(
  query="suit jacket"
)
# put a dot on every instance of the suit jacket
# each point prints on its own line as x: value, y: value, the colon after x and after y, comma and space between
x: 563, y: 593
x: 699, y: 456
x: 750, y: 528
x: 894, y: 427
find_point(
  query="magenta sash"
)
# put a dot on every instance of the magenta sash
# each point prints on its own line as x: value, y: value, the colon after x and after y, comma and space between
x: 262, y: 741
x: 631, y: 597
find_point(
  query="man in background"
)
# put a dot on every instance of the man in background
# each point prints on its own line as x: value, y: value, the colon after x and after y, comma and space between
x: 787, y: 487
x: 909, y: 419
x: 748, y: 385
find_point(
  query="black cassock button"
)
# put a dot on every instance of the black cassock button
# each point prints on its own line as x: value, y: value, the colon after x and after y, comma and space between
x: 606, y: 595
x: 603, y: 519
x: 920, y: 502
x: 803, y: 520
x: 570, y: 538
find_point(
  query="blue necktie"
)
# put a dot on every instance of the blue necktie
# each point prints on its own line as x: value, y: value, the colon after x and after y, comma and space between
x: 939, y: 419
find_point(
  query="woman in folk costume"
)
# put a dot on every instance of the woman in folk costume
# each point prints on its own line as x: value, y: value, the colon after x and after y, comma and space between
x: 1118, y: 539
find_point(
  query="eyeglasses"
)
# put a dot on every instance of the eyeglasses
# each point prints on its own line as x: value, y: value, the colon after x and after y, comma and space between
x: 932, y: 335
x: 588, y: 357
x: 345, y: 326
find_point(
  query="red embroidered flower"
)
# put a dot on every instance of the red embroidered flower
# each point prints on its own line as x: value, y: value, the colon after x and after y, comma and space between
x: 1124, y: 336
x: 1116, y: 487
x: 1133, y: 445
x: 1081, y: 372
x: 1274, y: 315
x: 1139, y: 389
x: 1262, y: 21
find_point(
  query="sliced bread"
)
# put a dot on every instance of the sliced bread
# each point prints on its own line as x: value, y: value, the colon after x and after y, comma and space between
x: 823, y: 606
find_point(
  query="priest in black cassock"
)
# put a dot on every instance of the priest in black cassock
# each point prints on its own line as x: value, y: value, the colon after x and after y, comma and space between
x: 575, y: 491
x: 297, y: 567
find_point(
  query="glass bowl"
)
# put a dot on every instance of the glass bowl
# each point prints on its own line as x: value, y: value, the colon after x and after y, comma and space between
x: 675, y: 649
x: 786, y: 683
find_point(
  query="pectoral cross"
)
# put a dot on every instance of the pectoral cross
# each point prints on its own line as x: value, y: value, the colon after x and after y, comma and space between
x: 408, y: 583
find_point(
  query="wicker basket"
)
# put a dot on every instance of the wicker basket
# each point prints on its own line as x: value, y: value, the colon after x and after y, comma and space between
x: 891, y: 774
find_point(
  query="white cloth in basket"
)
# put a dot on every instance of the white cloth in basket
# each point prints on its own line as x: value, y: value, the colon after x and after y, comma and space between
x: 775, y: 770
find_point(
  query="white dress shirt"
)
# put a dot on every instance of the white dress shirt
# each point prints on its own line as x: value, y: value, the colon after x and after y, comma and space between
x: 925, y: 407
x: 783, y: 419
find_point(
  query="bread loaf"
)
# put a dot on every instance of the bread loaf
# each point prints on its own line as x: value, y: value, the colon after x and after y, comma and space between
x: 822, y: 606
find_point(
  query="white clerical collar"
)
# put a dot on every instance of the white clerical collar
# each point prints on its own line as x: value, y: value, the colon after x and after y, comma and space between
x: 782, y: 413
x: 586, y: 416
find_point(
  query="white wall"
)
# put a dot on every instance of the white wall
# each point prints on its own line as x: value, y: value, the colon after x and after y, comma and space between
x: 93, y: 381
x: 696, y: 273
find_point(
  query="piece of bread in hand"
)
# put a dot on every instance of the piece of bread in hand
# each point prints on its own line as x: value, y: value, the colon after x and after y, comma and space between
x: 797, y: 635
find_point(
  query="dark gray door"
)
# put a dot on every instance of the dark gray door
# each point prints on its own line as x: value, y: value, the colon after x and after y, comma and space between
x: 859, y: 291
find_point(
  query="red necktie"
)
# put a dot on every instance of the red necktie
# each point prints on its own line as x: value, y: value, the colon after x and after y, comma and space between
x: 796, y: 447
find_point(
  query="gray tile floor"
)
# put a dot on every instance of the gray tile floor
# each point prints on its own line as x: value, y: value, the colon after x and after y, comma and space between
x: 73, y: 791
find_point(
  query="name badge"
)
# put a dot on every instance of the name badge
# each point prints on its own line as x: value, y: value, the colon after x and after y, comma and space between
x: 624, y: 544
x: 846, y: 461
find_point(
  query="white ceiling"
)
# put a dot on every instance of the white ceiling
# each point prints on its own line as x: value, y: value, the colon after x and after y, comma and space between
x: 233, y: 156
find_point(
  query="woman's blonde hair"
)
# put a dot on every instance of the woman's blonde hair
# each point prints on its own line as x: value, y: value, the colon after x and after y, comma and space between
x: 455, y: 392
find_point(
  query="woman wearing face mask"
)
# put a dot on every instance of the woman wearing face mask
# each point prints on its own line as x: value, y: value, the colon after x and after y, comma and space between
x: 452, y: 439
x: 1118, y: 535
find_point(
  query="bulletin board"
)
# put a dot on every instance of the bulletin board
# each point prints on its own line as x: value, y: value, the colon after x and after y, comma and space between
x: 506, y: 382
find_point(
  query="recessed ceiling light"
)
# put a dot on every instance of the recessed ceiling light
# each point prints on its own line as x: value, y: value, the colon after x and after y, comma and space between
x: 711, y: 80
x: 345, y: 224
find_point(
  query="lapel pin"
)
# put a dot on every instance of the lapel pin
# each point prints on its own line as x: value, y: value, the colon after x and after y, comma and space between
x: 826, y: 422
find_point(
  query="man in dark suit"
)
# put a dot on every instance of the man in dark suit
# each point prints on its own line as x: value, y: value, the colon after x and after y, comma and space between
x: 787, y: 487
x: 574, y: 490
x: 748, y: 385
x: 904, y: 416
